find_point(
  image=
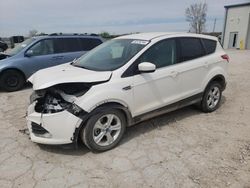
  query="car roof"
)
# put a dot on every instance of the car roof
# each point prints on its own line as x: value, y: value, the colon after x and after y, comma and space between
x: 67, y: 36
x: 155, y: 35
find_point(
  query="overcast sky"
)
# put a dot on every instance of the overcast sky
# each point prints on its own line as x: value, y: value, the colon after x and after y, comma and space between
x: 93, y: 16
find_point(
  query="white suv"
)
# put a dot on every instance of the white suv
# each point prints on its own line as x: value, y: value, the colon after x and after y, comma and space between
x: 122, y: 82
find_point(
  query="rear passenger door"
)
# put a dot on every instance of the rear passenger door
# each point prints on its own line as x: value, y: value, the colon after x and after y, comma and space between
x: 193, y: 65
x: 67, y: 48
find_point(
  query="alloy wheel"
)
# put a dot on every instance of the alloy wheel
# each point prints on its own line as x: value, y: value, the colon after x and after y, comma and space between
x: 106, y: 129
x: 213, y: 97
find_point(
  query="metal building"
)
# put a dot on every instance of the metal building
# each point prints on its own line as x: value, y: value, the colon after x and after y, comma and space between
x: 236, y: 31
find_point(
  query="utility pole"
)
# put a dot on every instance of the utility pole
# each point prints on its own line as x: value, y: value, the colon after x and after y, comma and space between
x: 214, y: 24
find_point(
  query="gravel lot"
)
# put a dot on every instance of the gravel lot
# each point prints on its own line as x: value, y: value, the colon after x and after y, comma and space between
x: 185, y: 148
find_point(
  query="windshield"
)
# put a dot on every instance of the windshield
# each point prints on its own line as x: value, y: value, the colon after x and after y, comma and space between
x: 20, y: 46
x: 111, y: 55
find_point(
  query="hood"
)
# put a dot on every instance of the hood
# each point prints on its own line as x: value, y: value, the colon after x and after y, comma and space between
x: 66, y: 73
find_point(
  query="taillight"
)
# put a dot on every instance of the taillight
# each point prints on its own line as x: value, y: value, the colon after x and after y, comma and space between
x: 226, y: 57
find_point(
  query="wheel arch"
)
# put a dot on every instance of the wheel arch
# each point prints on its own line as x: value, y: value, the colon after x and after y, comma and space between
x: 100, y: 108
x: 218, y: 78
x: 15, y: 69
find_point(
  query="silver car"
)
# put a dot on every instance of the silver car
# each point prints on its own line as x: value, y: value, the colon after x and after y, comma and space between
x: 41, y: 52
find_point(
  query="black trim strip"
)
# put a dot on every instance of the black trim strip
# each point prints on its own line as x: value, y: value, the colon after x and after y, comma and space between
x: 171, y: 107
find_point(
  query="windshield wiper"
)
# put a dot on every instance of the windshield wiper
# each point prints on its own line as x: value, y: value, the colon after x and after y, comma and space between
x: 80, y: 66
x: 74, y: 61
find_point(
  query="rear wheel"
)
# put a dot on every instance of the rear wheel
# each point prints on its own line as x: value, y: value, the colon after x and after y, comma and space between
x: 11, y: 80
x: 212, y: 97
x: 104, y: 130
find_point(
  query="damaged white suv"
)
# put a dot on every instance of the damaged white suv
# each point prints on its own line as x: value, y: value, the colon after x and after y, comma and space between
x: 122, y: 82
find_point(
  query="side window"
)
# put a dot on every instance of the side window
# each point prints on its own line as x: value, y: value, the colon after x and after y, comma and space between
x: 59, y: 45
x: 43, y: 47
x: 89, y: 43
x: 210, y: 45
x: 161, y: 54
x: 71, y: 44
x: 190, y: 48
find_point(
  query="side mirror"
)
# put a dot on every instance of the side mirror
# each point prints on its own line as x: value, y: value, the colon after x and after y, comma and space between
x: 29, y: 53
x: 146, y: 67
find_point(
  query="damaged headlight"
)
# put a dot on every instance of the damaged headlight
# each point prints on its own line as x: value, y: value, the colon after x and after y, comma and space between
x: 35, y: 95
x: 55, y: 101
x: 59, y: 98
x: 53, y: 104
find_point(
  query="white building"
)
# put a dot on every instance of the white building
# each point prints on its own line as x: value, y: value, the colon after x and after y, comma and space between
x: 236, y: 31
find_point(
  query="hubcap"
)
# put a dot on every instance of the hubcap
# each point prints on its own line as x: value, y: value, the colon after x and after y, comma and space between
x: 12, y: 81
x: 213, y: 97
x: 106, y: 129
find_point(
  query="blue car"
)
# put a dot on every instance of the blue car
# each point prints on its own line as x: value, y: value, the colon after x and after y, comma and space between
x: 40, y: 52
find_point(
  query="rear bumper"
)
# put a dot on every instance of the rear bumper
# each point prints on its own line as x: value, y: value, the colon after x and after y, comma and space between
x: 53, y: 129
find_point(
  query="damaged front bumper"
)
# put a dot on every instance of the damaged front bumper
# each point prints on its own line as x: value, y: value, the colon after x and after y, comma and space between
x: 55, y: 128
x: 54, y: 118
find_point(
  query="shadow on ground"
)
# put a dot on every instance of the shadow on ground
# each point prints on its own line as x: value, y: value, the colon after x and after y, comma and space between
x: 167, y: 119
x: 25, y: 87
x: 131, y: 132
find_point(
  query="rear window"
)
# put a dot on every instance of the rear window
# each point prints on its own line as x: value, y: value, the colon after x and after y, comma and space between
x: 210, y: 45
x: 190, y: 48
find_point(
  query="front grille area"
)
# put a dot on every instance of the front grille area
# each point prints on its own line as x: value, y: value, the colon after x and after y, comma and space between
x: 38, y: 129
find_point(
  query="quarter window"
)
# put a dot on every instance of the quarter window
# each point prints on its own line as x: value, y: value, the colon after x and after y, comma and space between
x: 210, y: 45
x: 190, y: 48
x: 161, y: 54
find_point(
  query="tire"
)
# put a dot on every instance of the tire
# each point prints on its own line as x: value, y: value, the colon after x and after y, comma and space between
x: 212, y: 97
x: 96, y: 134
x: 11, y: 80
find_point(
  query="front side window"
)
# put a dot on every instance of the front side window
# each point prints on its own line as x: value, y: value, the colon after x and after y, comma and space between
x: 190, y: 48
x: 20, y: 47
x: 111, y: 55
x: 43, y: 47
x: 161, y: 54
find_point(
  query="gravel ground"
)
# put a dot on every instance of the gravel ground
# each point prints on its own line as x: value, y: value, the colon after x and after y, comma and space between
x: 185, y: 148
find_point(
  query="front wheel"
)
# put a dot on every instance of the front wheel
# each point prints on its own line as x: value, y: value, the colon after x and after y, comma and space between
x: 11, y: 80
x: 104, y: 130
x: 212, y: 97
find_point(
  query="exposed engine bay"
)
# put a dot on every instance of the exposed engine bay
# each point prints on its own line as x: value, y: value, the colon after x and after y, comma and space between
x: 58, y: 98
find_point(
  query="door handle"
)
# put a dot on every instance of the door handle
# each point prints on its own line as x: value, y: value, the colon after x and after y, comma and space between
x: 127, y: 88
x: 173, y: 74
x: 57, y: 57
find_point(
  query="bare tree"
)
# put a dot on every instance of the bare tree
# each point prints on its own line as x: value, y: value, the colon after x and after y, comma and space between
x: 196, y: 15
x: 32, y: 33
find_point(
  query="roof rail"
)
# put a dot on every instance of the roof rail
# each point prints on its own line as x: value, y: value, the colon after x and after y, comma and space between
x: 71, y: 34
